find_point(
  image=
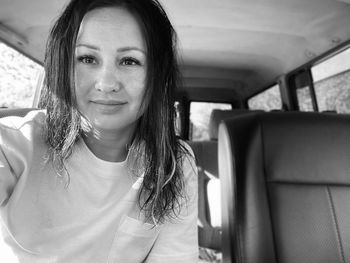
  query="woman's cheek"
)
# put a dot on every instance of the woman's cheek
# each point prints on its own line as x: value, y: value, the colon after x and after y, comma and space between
x: 83, y: 78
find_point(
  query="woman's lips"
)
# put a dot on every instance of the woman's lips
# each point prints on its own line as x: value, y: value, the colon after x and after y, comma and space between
x: 108, y: 106
x: 109, y: 102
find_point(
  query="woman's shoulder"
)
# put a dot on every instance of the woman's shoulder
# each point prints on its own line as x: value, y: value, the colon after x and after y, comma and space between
x: 185, y: 149
x: 12, y: 120
x: 16, y: 130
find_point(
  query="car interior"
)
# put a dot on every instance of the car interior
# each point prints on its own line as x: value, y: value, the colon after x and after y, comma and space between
x: 264, y: 103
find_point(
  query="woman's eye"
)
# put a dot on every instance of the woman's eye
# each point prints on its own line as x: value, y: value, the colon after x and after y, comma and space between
x: 129, y: 62
x: 87, y: 59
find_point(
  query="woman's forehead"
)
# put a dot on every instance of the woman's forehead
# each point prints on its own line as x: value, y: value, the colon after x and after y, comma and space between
x: 111, y: 24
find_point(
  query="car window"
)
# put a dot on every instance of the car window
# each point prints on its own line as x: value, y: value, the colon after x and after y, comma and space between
x: 19, y: 76
x: 214, y: 201
x: 304, y: 98
x: 302, y: 88
x: 178, y: 111
x: 199, y: 118
x: 267, y: 100
x: 332, y: 83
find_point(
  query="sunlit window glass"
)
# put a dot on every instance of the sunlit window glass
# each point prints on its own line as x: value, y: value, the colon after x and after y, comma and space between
x: 332, y: 83
x: 18, y: 78
x: 199, y: 118
x: 267, y: 100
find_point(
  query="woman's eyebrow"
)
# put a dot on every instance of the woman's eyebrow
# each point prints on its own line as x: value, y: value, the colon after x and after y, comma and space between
x: 131, y: 48
x: 122, y: 49
x: 88, y: 46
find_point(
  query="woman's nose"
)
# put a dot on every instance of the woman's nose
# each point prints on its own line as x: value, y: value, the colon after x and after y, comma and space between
x: 107, y: 81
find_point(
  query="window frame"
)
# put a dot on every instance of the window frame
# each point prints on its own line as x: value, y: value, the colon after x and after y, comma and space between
x: 289, y: 99
x: 302, y: 79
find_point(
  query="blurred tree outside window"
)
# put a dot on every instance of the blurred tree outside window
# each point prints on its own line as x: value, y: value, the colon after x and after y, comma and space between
x: 332, y: 83
x: 199, y: 118
x: 18, y: 78
x: 304, y: 99
x: 267, y: 100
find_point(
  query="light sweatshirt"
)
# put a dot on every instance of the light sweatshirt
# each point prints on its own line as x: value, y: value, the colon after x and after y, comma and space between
x: 95, y: 218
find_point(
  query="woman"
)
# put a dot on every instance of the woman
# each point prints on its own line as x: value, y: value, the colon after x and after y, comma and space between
x: 100, y: 175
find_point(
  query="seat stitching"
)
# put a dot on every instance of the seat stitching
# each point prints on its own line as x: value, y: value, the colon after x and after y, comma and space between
x: 305, y: 183
x: 268, y: 194
x: 239, y: 255
x: 335, y: 221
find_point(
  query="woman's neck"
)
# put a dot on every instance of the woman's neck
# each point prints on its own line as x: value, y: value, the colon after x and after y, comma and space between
x: 108, y: 146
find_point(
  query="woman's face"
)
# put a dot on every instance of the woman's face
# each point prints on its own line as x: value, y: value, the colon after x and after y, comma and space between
x: 110, y: 69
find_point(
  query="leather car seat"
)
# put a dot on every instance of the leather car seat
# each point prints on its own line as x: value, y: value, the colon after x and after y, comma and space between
x: 285, y: 188
x: 206, y: 153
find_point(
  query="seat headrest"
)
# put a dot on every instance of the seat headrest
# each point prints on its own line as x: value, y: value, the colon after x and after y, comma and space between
x: 299, y: 147
x: 218, y: 115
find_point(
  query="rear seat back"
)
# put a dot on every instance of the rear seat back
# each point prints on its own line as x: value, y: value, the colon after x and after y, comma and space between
x: 287, y: 187
x: 219, y: 115
x: 206, y: 153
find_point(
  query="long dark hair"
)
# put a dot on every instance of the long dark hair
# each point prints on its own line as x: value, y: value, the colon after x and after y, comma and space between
x: 155, y: 145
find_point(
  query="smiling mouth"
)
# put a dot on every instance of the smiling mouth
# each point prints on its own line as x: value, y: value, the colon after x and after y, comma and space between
x: 108, y: 106
x: 109, y: 102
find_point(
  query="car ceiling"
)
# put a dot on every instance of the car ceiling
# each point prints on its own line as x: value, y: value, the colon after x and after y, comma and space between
x: 236, y: 44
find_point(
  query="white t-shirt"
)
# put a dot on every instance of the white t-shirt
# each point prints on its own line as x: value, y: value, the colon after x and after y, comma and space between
x: 95, y: 218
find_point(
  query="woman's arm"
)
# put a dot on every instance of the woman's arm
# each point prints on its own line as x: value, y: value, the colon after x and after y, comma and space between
x: 16, y: 149
x: 7, y: 178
